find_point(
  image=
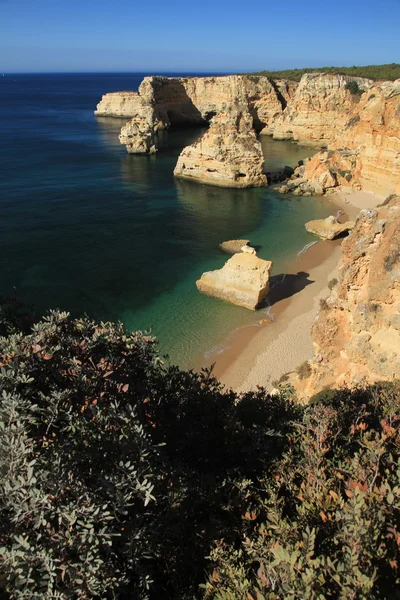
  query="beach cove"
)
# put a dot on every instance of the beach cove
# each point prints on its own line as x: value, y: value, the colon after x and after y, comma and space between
x: 128, y: 240
x: 261, y: 354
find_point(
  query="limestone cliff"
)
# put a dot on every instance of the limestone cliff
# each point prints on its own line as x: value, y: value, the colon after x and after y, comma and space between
x: 361, y: 133
x: 319, y: 106
x: 119, y: 104
x: 139, y: 134
x: 368, y: 145
x: 364, y: 153
x: 195, y: 100
x: 228, y: 154
x: 356, y: 334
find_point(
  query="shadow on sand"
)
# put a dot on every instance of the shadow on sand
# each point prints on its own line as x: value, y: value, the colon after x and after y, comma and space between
x: 286, y: 285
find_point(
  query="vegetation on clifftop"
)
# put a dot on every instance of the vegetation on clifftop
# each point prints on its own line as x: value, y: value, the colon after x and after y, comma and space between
x: 389, y: 72
x: 123, y: 477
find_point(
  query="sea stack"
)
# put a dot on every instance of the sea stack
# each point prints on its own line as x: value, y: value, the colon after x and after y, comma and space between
x: 228, y: 154
x: 243, y: 280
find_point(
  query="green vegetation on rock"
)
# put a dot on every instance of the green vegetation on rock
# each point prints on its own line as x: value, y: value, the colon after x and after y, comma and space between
x: 124, y: 477
x: 389, y: 72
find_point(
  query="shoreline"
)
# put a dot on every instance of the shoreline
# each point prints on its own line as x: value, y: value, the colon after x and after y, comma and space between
x: 259, y: 354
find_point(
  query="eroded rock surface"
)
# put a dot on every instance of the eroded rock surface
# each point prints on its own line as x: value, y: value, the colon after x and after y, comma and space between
x: 318, y: 108
x: 364, y: 153
x: 356, y: 335
x: 359, y: 133
x: 139, y: 134
x: 234, y: 246
x: 119, y: 104
x: 228, y: 154
x: 329, y: 228
x: 195, y: 100
x: 243, y: 280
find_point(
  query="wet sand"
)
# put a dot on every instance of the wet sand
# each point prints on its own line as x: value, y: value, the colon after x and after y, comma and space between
x: 260, y: 354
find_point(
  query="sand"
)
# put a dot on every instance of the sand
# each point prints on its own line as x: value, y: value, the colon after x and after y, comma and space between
x: 259, y: 355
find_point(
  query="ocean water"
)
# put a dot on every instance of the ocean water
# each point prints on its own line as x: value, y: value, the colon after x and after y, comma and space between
x: 90, y: 229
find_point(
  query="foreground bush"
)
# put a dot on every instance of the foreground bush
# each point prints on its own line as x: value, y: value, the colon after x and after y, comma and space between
x: 327, y: 524
x: 117, y: 472
x: 122, y: 477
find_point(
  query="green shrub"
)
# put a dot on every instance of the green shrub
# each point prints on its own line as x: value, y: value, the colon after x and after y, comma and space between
x: 116, y: 471
x: 327, y: 522
x: 304, y: 370
x: 119, y: 473
x: 323, y: 304
x: 392, y: 259
x: 389, y: 72
x: 332, y: 283
x: 353, y: 88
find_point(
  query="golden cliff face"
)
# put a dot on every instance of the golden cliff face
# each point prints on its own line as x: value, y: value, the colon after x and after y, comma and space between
x: 372, y: 133
x: 356, y: 334
x: 228, y: 154
x: 318, y: 108
x: 195, y: 100
x: 361, y: 134
x: 364, y: 153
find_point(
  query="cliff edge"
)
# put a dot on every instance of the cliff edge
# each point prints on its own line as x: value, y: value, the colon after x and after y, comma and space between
x: 356, y: 334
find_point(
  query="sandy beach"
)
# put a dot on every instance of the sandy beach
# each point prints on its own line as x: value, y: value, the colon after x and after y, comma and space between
x: 259, y: 355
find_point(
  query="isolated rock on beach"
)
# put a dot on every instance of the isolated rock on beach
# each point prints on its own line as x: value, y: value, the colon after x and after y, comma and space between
x: 228, y: 154
x: 243, y: 280
x: 234, y: 246
x: 329, y: 228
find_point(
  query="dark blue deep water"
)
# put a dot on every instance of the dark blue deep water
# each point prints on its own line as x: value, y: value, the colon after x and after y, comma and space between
x: 89, y: 229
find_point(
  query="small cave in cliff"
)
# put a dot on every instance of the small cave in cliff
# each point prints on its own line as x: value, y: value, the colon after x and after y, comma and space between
x: 186, y: 117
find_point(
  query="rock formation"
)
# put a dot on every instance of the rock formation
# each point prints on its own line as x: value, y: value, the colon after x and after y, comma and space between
x: 360, y: 132
x: 234, y: 246
x: 195, y: 100
x: 228, y: 154
x: 138, y: 134
x: 243, y: 280
x: 329, y: 228
x: 356, y: 334
x: 119, y: 104
x: 319, y: 107
x: 364, y: 153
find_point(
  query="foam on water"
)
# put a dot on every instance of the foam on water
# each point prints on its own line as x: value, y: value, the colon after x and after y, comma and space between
x: 306, y: 247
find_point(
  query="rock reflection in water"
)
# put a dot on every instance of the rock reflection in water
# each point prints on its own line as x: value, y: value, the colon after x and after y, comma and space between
x: 209, y: 211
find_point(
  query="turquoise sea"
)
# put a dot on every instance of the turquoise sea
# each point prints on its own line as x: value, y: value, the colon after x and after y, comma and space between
x: 89, y: 229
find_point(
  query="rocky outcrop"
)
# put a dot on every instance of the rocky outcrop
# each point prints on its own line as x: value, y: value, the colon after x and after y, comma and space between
x: 234, y: 246
x: 364, y: 153
x: 228, y: 154
x: 329, y: 228
x: 119, y: 104
x: 195, y: 100
x: 139, y: 135
x: 367, y: 149
x: 243, y: 280
x: 175, y: 101
x: 356, y: 334
x: 318, y: 108
x: 360, y: 133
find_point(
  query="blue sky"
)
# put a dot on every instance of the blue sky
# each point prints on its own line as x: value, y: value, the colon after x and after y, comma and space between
x: 214, y: 36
